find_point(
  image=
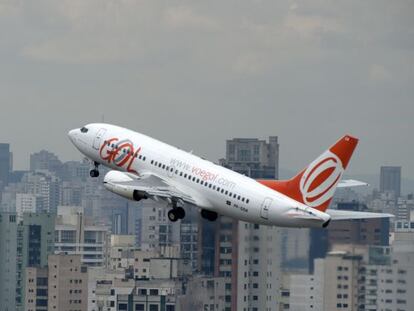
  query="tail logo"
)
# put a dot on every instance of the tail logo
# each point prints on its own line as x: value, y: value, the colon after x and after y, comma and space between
x: 319, y: 180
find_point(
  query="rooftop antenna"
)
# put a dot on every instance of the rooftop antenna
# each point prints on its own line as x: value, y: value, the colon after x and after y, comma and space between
x: 103, y: 118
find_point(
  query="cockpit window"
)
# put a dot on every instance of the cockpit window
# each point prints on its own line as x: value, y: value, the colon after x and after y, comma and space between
x: 84, y: 130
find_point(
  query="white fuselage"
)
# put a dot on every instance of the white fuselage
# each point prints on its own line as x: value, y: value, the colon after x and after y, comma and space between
x: 214, y: 187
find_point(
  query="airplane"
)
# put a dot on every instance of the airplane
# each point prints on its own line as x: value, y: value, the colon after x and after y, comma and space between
x: 145, y: 168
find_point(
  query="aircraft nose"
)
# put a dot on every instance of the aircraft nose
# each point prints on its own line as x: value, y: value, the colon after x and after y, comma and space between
x: 72, y: 134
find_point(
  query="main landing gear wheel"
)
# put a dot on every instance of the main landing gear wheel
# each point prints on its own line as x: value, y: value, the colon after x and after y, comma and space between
x: 180, y: 212
x: 209, y: 215
x: 176, y: 213
x: 95, y: 172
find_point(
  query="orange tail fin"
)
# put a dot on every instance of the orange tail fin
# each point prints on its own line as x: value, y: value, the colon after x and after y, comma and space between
x: 316, y: 184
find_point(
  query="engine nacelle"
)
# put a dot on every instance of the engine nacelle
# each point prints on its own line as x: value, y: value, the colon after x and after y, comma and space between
x: 113, y: 182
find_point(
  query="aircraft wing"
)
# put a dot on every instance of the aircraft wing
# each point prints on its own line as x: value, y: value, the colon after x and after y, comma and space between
x: 347, y: 183
x: 150, y: 186
x: 346, y: 215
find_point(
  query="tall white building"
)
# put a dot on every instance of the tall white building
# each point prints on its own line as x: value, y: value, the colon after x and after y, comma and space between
x: 75, y: 234
x: 157, y: 232
x: 358, y: 278
x: 332, y: 286
x: 45, y: 185
x: 28, y: 203
x: 258, y: 267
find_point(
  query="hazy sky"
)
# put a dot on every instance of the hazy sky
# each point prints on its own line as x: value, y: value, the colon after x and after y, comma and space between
x: 194, y: 73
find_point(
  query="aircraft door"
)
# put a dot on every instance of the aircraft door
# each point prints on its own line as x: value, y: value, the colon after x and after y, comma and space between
x: 98, y: 138
x: 264, y: 212
x: 171, y: 171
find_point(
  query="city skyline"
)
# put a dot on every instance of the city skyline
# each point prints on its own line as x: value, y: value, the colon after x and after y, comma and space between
x: 131, y: 248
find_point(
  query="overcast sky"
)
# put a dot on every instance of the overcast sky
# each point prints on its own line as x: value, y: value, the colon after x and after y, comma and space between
x: 194, y: 73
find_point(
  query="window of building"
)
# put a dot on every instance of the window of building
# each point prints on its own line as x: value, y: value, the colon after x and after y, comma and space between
x: 153, y: 292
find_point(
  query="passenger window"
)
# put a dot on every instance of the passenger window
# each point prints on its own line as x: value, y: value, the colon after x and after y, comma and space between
x: 202, y: 182
x: 222, y: 190
x: 152, y: 161
x: 238, y: 198
x: 159, y: 164
x: 242, y: 199
x: 247, y: 201
x: 144, y: 158
x: 181, y: 173
x: 234, y: 196
x: 194, y: 178
x: 163, y: 166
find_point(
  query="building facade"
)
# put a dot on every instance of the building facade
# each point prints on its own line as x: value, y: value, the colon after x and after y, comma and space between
x: 390, y: 180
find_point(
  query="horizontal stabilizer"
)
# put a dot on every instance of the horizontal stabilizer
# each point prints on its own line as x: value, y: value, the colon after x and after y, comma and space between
x: 344, y: 215
x: 348, y: 183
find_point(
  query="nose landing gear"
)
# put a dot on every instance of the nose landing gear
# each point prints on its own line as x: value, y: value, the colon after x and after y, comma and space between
x: 94, y: 172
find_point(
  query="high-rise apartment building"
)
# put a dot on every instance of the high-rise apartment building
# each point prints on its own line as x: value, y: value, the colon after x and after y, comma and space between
x: 62, y: 285
x: 80, y: 235
x: 38, y: 238
x: 10, y: 261
x: 247, y: 256
x: 45, y: 160
x: 45, y: 185
x: 358, y: 277
x: 5, y: 162
x: 253, y: 157
x: 28, y: 203
x: 157, y: 232
x: 390, y: 180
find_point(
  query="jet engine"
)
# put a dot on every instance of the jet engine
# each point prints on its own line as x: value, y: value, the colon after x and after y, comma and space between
x: 121, y: 184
